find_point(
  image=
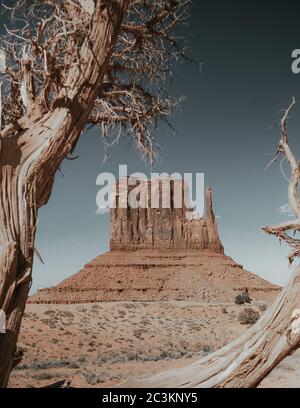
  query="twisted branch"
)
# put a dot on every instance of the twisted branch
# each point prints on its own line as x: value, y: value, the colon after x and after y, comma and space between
x: 42, y: 45
x: 282, y: 230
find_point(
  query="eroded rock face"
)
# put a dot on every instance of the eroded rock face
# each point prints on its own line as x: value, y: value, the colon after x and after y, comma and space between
x: 157, y: 255
x: 162, y: 228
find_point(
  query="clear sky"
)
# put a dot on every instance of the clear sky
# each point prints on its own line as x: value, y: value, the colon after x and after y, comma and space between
x: 226, y: 128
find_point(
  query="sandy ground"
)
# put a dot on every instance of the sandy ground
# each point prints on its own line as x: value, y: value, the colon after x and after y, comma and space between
x: 104, y: 344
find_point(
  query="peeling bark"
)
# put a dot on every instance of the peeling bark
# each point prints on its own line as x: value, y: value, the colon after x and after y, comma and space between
x: 245, y: 362
x: 30, y: 154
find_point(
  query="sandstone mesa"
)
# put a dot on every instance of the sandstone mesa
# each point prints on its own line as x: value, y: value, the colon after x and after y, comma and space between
x: 160, y: 254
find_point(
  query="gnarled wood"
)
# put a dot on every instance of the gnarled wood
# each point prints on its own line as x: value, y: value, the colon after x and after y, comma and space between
x: 245, y: 362
x: 248, y: 360
x: 30, y: 155
x: 66, y: 64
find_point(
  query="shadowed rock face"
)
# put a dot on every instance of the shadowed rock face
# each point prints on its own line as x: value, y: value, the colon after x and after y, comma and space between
x: 173, y: 228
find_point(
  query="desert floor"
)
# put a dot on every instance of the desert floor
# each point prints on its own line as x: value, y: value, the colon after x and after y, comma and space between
x: 104, y: 344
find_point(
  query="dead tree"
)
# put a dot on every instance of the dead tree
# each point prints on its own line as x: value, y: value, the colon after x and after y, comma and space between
x: 66, y: 64
x: 245, y: 362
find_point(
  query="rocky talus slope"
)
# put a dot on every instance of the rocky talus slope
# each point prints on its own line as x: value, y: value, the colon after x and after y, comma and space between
x: 156, y: 275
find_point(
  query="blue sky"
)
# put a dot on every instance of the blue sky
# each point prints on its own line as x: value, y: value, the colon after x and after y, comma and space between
x: 226, y: 128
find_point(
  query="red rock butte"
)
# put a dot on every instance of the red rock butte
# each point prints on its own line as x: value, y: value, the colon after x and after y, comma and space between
x: 159, y: 254
x: 159, y: 228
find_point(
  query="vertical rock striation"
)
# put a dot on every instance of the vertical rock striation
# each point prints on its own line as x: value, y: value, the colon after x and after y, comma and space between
x: 159, y: 254
x: 157, y: 227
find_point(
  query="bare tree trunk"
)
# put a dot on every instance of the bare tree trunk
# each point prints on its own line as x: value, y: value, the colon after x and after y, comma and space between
x: 245, y: 362
x: 30, y: 154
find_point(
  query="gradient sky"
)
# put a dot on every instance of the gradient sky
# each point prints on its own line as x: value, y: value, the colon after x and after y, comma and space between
x: 226, y: 128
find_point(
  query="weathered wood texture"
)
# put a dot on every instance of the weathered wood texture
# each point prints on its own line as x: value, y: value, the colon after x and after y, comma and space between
x: 30, y: 154
x: 245, y: 362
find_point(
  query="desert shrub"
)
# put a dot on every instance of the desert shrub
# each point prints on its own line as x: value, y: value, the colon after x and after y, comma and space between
x: 43, y: 376
x: 164, y: 354
x: 263, y: 307
x: 43, y: 365
x: 91, y: 378
x: 81, y: 359
x: 239, y: 300
x: 74, y: 364
x: 65, y: 313
x: 49, y: 312
x: 248, y: 316
x: 206, y: 348
x: 139, y: 332
x: 243, y: 298
x: 246, y: 297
